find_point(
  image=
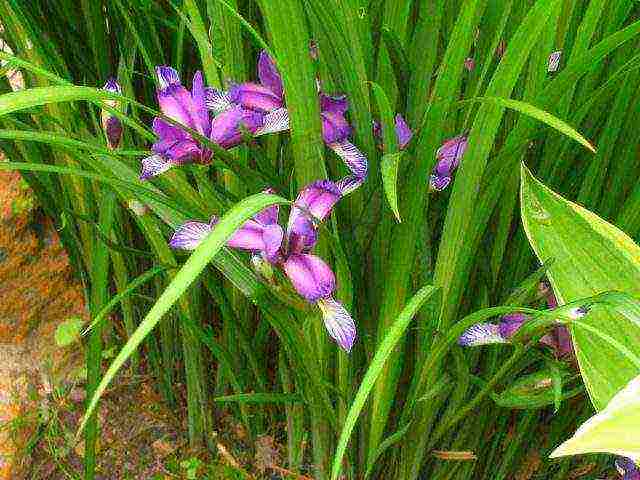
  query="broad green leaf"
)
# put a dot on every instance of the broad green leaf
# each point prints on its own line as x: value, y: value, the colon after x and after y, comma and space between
x: 195, y: 264
x: 394, y: 334
x: 68, y: 331
x: 588, y: 256
x: 539, y: 114
x: 613, y: 430
x: 389, y: 171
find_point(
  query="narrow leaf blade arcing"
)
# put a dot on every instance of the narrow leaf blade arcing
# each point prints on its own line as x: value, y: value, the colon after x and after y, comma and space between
x: 196, y: 263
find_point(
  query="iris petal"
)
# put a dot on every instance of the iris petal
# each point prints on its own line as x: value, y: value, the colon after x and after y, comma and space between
x: 255, y: 97
x: 217, y: 100
x: 313, y: 205
x: 311, y: 276
x: 167, y: 76
x: 274, y: 122
x: 353, y: 158
x: 481, y: 334
x: 337, y: 104
x: 189, y: 235
x: 154, y: 165
x: 268, y: 74
x: 438, y: 183
x: 338, y: 323
x: 403, y: 132
x: 348, y: 184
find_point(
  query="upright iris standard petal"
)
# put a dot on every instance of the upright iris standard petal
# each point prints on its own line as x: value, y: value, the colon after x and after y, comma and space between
x: 256, y: 237
x: 274, y: 122
x: 310, y: 276
x: 448, y: 158
x: 155, y: 165
x: 225, y: 127
x: 313, y: 205
x: 481, y: 334
x: 335, y: 127
x: 255, y: 97
x: 174, y: 99
x: 338, y: 322
x: 111, y: 125
x: 198, y: 107
x: 269, y: 75
x: 403, y: 132
x: 189, y: 235
x: 337, y: 104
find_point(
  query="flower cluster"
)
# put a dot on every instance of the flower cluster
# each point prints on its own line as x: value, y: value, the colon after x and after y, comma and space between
x: 559, y: 339
x: 290, y: 250
x: 193, y: 110
x: 255, y: 107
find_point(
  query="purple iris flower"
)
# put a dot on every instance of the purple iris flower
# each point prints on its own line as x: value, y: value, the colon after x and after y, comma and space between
x: 191, y: 109
x: 627, y: 468
x: 174, y: 146
x: 311, y: 277
x: 111, y: 125
x: 403, y: 132
x: 559, y: 339
x: 267, y: 97
x: 335, y: 133
x: 448, y: 158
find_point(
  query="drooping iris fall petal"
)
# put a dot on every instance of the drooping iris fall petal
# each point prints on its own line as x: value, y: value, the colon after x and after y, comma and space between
x: 448, y: 158
x: 481, y: 334
x: 310, y: 276
x: 338, y: 322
